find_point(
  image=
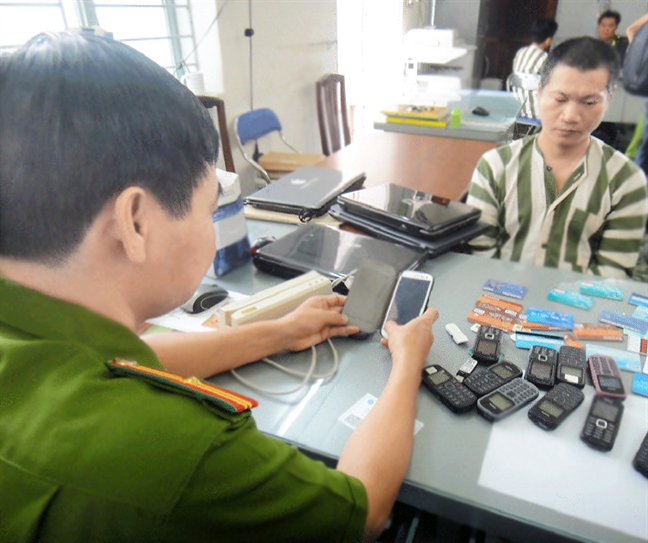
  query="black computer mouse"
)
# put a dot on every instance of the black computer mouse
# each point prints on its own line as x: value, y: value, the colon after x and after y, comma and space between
x: 205, y: 297
x: 482, y: 112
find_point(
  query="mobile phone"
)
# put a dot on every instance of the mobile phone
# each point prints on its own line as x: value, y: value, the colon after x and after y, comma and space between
x: 457, y: 397
x: 606, y: 376
x: 541, y: 369
x: 507, y: 399
x: 410, y: 297
x: 602, y: 423
x: 640, y: 461
x: 572, y: 366
x: 556, y: 406
x: 485, y: 380
x: 487, y: 345
x: 368, y: 296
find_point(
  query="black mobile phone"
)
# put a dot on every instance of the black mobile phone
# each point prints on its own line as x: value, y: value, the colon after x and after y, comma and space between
x: 541, y: 369
x: 606, y: 376
x: 410, y: 297
x: 368, y: 296
x: 640, y: 461
x: 487, y: 345
x: 454, y: 395
x: 572, y: 366
x: 556, y: 405
x: 485, y: 380
x: 507, y: 399
x: 602, y: 423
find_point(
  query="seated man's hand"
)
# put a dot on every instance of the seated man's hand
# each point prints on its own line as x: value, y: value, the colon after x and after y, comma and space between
x: 315, y: 320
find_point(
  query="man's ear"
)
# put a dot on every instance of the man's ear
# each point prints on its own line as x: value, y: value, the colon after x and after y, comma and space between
x: 132, y: 217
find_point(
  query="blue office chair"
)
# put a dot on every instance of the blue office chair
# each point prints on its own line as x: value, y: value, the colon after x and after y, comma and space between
x: 254, y: 125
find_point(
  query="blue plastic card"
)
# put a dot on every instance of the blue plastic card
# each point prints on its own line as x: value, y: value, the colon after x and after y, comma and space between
x: 638, y: 299
x: 640, y: 384
x: 602, y: 290
x: 570, y: 297
x: 505, y: 289
x: 526, y: 341
x: 641, y: 312
x: 625, y: 360
x: 620, y: 319
x: 550, y: 318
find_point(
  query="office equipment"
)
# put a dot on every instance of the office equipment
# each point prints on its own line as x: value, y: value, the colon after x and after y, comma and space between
x: 258, y: 123
x: 433, y: 247
x: 276, y: 301
x: 414, y: 212
x: 334, y: 253
x: 332, y: 113
x: 307, y: 192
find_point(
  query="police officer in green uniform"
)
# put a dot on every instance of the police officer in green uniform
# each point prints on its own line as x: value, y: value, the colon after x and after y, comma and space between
x: 107, y: 188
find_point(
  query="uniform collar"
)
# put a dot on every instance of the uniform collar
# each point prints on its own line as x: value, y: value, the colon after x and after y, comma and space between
x: 41, y: 316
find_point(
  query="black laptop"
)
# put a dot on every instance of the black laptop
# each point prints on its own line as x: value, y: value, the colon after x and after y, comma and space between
x: 330, y: 251
x: 307, y: 192
x: 434, y: 247
x: 411, y: 211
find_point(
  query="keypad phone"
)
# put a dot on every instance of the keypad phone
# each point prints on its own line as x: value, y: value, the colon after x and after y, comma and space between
x: 572, y: 366
x: 556, y: 405
x: 541, y: 369
x: 507, y: 399
x: 453, y: 394
x: 602, y: 423
x: 606, y: 377
x: 485, y: 380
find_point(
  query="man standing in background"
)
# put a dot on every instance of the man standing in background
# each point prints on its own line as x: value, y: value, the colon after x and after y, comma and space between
x: 531, y: 59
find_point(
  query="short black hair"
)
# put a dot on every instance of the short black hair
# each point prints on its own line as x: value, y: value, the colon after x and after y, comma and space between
x: 81, y: 119
x: 585, y: 54
x: 608, y: 13
x: 541, y: 29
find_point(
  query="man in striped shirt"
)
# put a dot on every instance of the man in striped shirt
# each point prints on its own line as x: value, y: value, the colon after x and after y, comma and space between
x: 531, y: 59
x: 562, y: 198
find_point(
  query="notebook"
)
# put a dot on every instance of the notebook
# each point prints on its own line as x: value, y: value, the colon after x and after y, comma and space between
x: 331, y: 252
x: 411, y: 211
x: 308, y: 191
x: 434, y: 247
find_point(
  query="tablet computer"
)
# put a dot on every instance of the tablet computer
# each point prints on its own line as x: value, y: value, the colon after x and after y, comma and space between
x: 412, y: 211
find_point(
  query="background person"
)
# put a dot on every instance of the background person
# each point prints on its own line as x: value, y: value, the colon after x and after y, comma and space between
x: 107, y: 187
x: 562, y: 198
x: 531, y: 58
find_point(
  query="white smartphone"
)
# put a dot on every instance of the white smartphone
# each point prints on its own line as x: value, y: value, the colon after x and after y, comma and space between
x: 409, y: 299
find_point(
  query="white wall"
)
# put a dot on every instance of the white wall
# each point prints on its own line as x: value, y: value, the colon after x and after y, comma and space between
x: 294, y: 43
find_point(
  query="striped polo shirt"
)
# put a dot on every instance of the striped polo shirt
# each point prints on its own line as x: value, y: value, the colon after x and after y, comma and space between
x: 595, y: 225
x: 529, y: 60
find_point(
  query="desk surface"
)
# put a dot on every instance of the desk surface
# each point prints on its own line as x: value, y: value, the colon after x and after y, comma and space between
x: 437, y: 165
x: 509, y: 478
x: 503, y: 108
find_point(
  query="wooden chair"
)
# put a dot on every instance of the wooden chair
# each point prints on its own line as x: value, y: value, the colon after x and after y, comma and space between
x: 332, y: 113
x: 210, y: 102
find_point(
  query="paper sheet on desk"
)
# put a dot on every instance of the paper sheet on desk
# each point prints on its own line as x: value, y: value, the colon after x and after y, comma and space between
x: 181, y: 321
x: 600, y: 488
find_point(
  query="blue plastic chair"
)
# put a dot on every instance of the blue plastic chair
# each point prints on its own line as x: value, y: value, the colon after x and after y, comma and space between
x: 254, y: 125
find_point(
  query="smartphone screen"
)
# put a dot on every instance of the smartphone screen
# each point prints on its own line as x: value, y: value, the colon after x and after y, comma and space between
x: 410, y: 297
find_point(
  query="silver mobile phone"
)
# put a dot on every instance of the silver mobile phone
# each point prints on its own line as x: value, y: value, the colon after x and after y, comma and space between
x: 409, y: 299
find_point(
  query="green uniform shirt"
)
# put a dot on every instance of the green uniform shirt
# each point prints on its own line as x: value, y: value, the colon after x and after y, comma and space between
x: 88, y: 456
x: 594, y: 225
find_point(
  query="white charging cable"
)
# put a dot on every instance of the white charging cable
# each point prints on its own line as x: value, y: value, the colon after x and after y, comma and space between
x: 308, y: 376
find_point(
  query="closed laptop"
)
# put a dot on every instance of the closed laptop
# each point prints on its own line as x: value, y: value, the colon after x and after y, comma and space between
x: 331, y: 252
x: 307, y: 191
x: 412, y: 211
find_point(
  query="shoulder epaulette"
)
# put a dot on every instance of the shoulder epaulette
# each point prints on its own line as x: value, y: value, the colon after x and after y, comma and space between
x: 192, y: 386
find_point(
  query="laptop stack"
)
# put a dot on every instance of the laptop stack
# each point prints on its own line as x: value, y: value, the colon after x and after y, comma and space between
x: 409, y: 217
